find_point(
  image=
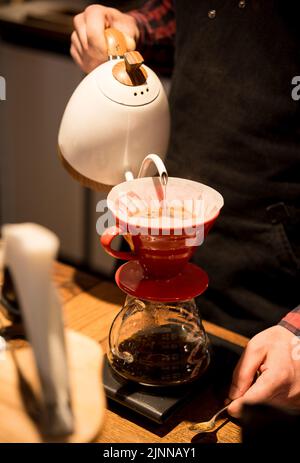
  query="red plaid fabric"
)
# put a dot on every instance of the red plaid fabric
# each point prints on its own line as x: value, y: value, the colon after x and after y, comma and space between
x: 156, y: 22
x: 292, y: 321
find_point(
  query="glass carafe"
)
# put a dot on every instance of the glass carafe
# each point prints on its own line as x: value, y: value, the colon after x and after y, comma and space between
x: 158, y: 344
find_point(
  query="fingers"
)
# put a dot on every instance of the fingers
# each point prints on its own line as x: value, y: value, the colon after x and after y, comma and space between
x: 80, y: 29
x: 95, y: 25
x: 76, y: 43
x: 76, y: 56
x: 245, y: 371
x: 89, y: 47
x: 88, y: 44
x: 263, y: 390
x: 270, y: 353
x: 130, y: 42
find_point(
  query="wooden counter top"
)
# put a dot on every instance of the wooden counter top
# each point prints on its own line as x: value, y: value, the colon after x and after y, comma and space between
x: 90, y: 305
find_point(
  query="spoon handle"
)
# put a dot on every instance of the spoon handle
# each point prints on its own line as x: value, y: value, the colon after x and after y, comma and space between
x: 208, y: 425
x: 220, y: 412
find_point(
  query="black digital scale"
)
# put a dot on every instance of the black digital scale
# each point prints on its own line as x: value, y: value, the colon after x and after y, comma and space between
x: 159, y: 403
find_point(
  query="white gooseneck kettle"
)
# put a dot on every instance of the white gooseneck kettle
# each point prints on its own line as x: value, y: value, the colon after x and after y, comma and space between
x: 117, y: 115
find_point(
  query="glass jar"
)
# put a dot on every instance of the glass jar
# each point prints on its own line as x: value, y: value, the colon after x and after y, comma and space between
x: 158, y: 344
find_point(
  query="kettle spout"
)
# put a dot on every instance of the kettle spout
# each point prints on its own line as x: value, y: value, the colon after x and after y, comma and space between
x: 161, y: 168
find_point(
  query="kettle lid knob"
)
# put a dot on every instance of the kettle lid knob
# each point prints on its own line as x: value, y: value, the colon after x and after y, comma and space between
x: 130, y: 70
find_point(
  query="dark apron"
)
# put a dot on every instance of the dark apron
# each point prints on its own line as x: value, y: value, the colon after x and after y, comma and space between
x: 236, y: 128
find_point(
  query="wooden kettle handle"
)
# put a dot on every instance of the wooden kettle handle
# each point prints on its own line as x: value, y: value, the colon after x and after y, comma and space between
x: 116, y: 43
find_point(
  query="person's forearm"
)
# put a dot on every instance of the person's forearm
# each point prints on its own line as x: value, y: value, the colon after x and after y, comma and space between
x: 156, y: 22
x: 292, y: 321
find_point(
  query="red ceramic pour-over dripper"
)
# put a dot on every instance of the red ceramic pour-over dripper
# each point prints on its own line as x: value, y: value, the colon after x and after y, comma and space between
x: 159, y: 267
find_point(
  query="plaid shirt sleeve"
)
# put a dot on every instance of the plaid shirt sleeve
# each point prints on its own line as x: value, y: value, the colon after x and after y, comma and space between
x: 156, y: 22
x: 292, y: 321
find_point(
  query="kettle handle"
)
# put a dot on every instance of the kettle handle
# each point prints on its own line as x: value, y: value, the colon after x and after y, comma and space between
x: 116, y: 42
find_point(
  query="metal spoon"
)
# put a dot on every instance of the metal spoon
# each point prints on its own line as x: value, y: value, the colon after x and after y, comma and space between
x: 206, y: 426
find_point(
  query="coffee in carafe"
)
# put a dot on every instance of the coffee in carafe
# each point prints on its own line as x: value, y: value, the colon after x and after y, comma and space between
x: 168, y: 346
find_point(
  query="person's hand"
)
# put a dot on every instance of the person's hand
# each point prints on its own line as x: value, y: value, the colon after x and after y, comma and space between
x: 275, y: 354
x: 88, y: 44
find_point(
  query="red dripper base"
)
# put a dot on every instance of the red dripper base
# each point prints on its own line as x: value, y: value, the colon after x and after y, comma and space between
x: 191, y: 282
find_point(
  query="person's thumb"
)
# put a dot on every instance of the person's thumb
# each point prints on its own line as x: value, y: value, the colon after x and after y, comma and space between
x: 127, y: 33
x: 127, y: 25
x: 261, y: 391
x: 130, y: 42
x: 245, y: 371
